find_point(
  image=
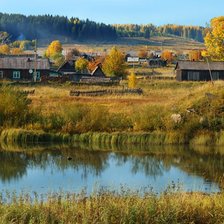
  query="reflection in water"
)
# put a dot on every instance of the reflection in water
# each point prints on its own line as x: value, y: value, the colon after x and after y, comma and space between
x: 12, y: 166
x: 49, y: 168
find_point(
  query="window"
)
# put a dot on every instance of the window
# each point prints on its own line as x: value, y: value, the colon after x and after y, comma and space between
x: 1, y: 74
x: 38, y: 75
x: 215, y: 75
x: 16, y: 74
x: 193, y: 76
x: 53, y: 74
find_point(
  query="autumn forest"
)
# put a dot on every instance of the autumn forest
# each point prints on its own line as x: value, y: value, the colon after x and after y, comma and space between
x: 37, y: 27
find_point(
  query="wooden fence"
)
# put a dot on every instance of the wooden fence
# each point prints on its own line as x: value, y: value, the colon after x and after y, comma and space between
x: 28, y: 92
x: 106, y: 92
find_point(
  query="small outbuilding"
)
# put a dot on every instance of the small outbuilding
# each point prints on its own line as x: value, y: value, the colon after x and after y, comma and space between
x: 199, y: 71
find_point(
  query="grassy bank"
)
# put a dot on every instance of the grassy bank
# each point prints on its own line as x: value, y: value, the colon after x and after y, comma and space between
x: 107, y: 207
x: 12, y: 136
x: 168, y: 112
x: 112, y: 140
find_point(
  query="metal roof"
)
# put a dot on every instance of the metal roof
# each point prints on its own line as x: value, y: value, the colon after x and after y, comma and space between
x: 200, y: 65
x: 24, y: 63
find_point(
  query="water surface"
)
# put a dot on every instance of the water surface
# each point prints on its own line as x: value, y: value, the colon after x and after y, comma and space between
x: 48, y: 169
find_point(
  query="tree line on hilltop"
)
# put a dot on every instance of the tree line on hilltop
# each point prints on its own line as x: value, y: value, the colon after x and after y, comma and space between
x: 45, y: 26
x: 147, y: 31
x: 22, y: 27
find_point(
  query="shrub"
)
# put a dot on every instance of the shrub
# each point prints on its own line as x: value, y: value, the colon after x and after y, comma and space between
x: 149, y: 118
x: 14, y: 107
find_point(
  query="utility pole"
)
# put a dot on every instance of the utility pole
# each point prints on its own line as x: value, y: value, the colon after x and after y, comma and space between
x: 35, y: 63
x: 210, y: 72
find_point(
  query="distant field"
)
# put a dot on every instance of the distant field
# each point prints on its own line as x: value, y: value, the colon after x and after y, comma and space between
x: 132, y: 45
x: 156, y: 92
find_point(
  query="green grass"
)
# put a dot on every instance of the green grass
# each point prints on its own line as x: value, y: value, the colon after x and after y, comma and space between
x: 13, y: 136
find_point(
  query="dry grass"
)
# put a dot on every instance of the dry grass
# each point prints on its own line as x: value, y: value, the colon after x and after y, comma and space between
x: 52, y: 110
x: 166, y: 93
x: 106, y: 207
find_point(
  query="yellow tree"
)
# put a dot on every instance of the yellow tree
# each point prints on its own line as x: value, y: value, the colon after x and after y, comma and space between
x: 132, y: 81
x: 195, y: 55
x: 114, y: 63
x: 16, y: 51
x: 4, y: 49
x: 167, y: 55
x: 214, y: 40
x: 81, y: 64
x: 53, y: 49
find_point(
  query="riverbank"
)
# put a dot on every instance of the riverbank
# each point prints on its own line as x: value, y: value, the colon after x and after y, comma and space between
x: 113, y: 140
x: 111, y: 207
x: 167, y: 113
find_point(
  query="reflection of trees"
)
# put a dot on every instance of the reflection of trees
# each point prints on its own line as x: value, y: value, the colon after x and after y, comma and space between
x: 147, y: 164
x: 12, y: 165
x: 89, y: 162
x: 154, y: 162
x: 208, y: 166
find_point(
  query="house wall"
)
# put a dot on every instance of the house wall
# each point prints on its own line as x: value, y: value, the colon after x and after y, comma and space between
x: 77, y: 77
x: 24, y: 74
x: 204, y: 75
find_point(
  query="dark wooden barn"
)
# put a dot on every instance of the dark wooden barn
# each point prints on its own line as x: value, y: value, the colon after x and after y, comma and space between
x: 22, y: 68
x: 98, y: 72
x: 199, y: 71
x: 68, y: 67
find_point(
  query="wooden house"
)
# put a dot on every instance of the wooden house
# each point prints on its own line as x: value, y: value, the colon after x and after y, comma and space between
x: 22, y: 68
x: 68, y: 69
x: 98, y: 72
x: 199, y: 71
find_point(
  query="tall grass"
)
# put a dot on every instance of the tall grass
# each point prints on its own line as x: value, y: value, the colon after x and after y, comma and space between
x: 12, y: 136
x: 13, y: 107
x: 123, y: 122
x: 111, y: 207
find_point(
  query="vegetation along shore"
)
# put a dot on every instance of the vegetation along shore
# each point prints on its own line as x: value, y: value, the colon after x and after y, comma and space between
x: 110, y: 207
x: 167, y: 113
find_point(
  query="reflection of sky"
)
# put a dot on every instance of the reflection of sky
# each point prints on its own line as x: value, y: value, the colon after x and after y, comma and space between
x: 113, y: 176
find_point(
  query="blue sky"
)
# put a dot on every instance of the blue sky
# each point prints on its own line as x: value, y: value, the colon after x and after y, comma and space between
x: 158, y: 12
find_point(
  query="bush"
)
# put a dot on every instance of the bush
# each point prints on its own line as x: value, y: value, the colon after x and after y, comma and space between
x: 149, y: 118
x: 14, y: 107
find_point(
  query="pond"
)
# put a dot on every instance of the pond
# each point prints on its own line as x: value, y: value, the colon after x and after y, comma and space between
x: 64, y: 168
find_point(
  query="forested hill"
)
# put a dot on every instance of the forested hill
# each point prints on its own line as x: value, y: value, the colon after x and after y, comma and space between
x: 47, y: 26
x: 133, y: 30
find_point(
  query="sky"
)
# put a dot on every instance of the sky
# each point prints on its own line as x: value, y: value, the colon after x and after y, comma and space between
x: 157, y: 12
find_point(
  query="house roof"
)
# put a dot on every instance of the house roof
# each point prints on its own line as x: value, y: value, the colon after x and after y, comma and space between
x: 199, y: 65
x: 68, y: 65
x: 24, y: 63
x: 96, y: 69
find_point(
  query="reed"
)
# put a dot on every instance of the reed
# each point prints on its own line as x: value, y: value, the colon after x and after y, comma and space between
x: 12, y: 136
x: 113, y: 207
